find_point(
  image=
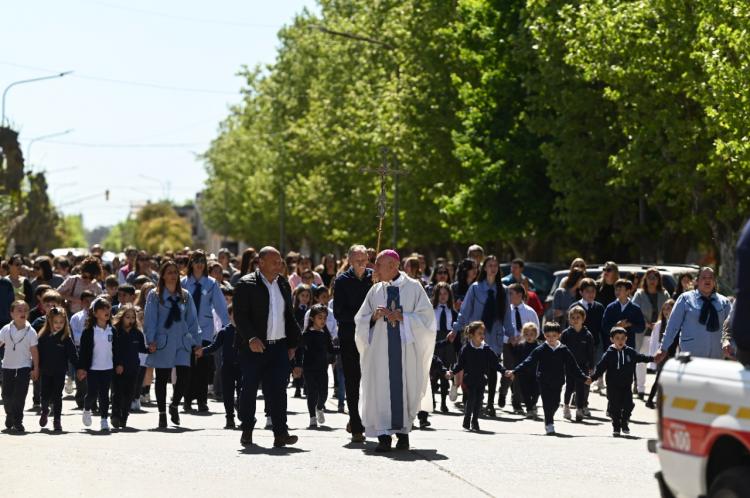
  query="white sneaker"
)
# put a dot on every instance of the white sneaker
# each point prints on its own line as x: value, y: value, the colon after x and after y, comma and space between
x: 321, y: 416
x: 566, y: 413
x: 453, y: 394
x: 269, y: 423
x: 313, y: 423
x: 87, y: 418
x: 105, y: 424
x: 69, y: 386
x: 147, y: 398
x: 550, y: 428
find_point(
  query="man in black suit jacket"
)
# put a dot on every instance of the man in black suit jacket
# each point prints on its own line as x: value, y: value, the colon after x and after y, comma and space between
x: 267, y: 337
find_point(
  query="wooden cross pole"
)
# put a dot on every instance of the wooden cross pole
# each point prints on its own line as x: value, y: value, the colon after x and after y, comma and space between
x: 384, y: 170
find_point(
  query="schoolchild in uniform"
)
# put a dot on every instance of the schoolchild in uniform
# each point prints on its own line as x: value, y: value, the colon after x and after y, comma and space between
x: 314, y: 355
x: 56, y: 353
x: 95, y: 360
x: 475, y: 362
x: 129, y: 343
x: 231, y: 378
x: 527, y: 380
x: 580, y: 341
x: 551, y: 361
x: 619, y: 364
x: 21, y: 362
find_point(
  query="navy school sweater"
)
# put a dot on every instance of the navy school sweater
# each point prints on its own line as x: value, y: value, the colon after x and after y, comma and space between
x: 125, y: 349
x: 581, y: 344
x: 55, y: 353
x: 619, y: 364
x: 477, y: 363
x: 550, y: 365
x: 225, y: 340
x: 315, y: 350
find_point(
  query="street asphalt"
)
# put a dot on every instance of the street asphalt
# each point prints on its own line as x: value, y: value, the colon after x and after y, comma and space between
x: 511, y: 457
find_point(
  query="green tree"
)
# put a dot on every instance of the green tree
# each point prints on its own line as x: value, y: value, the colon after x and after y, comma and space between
x: 70, y: 231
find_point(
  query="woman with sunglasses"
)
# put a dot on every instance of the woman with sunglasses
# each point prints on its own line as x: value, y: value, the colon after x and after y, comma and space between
x: 440, y: 274
x: 21, y: 285
x: 208, y: 299
x: 170, y: 323
x: 605, y: 292
x: 142, y: 267
x: 74, y: 285
x: 44, y: 274
x: 650, y: 297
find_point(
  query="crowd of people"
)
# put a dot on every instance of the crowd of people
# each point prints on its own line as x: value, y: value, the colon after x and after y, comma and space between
x: 226, y: 326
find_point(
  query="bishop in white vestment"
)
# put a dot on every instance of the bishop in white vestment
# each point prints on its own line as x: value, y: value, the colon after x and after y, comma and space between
x: 395, y: 336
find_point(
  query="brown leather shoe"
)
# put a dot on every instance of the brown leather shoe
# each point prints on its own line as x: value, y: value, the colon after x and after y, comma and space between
x: 358, y: 438
x: 281, y: 441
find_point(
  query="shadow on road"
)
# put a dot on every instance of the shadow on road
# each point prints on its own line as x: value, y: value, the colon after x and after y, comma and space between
x: 260, y: 450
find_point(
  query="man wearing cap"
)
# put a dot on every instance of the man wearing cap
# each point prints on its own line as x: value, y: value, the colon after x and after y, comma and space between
x: 395, y: 335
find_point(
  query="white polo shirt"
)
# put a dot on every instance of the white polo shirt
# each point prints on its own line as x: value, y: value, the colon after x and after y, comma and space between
x: 18, y: 344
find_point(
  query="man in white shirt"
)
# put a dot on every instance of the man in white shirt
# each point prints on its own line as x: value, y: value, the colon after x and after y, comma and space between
x: 520, y: 313
x: 21, y: 362
x: 267, y: 337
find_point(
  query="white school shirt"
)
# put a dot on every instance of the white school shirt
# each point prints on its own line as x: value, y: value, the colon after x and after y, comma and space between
x: 527, y: 315
x: 449, y: 315
x: 275, y: 330
x: 77, y: 322
x: 18, y: 344
x: 102, y: 355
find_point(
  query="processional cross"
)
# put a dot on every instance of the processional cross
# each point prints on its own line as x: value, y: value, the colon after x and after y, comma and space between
x: 385, y: 170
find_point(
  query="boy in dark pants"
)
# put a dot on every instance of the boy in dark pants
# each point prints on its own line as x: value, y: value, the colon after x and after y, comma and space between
x: 527, y: 381
x: 439, y: 376
x: 551, y: 361
x: 619, y: 362
x: 475, y: 361
x: 231, y: 378
x: 581, y: 343
x: 313, y: 357
x: 21, y: 362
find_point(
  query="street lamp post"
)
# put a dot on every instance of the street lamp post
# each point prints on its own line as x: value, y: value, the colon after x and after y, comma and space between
x: 21, y: 82
x: 43, y: 137
x: 391, y: 48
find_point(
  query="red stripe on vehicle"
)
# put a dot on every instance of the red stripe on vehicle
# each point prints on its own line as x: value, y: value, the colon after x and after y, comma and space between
x: 696, y: 439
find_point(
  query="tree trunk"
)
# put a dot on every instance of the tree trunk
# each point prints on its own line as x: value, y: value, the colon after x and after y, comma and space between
x: 725, y: 239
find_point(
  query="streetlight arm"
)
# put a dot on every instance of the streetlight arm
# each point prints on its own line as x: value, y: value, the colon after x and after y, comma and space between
x: 20, y: 82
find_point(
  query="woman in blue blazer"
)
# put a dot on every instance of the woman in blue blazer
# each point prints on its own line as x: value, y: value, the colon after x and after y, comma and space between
x: 173, y: 335
x: 207, y: 297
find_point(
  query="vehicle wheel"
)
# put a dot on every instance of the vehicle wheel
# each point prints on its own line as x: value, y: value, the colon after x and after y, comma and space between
x: 732, y: 483
x: 664, y: 490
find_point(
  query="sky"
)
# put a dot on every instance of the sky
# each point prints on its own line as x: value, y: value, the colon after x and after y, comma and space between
x: 151, y: 82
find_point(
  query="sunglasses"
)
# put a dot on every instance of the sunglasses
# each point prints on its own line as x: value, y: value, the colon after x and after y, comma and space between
x: 609, y: 270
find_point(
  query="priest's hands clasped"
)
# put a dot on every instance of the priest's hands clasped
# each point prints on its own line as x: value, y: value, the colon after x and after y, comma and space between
x: 391, y: 316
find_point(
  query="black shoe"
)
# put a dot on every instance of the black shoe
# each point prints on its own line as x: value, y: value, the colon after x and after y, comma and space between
x: 230, y: 423
x: 651, y: 404
x: 247, y: 437
x: 202, y: 408
x: 384, y: 444
x: 444, y: 408
x: 56, y: 425
x: 8, y: 423
x: 297, y: 393
x: 19, y: 428
x: 466, y: 425
x: 424, y: 423
x: 124, y: 422
x: 475, y: 426
x: 116, y: 421
x: 491, y: 412
x: 625, y: 427
x: 281, y: 441
x: 187, y: 408
x: 641, y: 396
x: 402, y: 442
x: 43, y: 418
x: 174, y: 414
x: 162, y: 421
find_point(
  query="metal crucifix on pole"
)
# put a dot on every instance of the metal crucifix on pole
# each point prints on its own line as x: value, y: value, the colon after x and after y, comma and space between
x: 386, y: 169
